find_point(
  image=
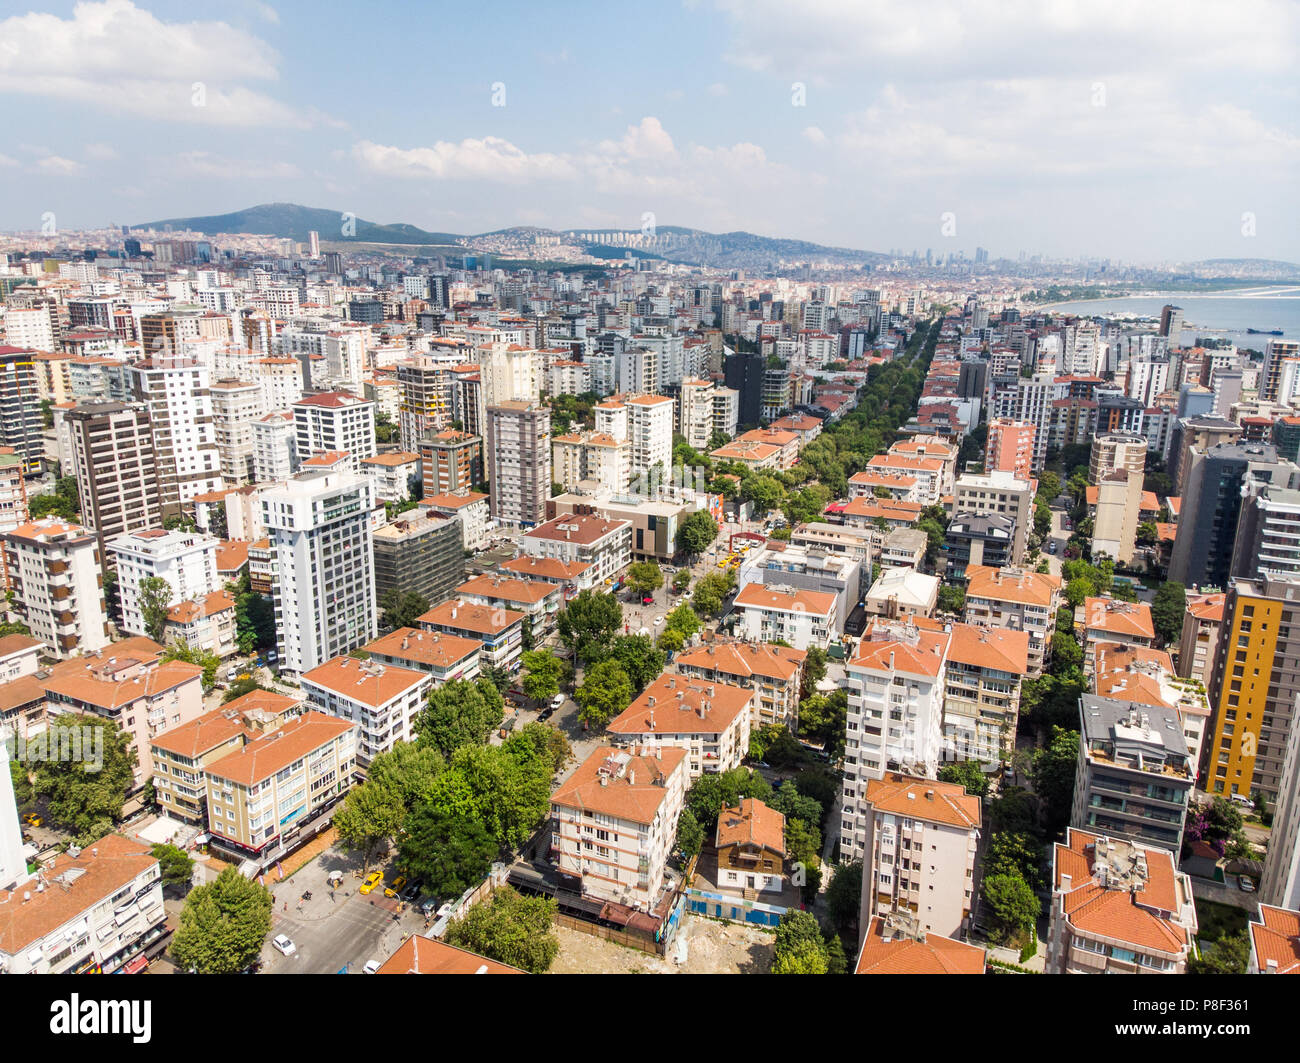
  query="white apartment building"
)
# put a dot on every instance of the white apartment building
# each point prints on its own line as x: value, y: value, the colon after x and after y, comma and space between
x: 765, y: 613
x: 29, y: 327
x: 604, y: 545
x: 395, y: 474
x: 95, y: 912
x: 186, y: 560
x: 468, y: 507
x: 54, y: 574
x: 796, y: 566
x: 895, y: 715
x: 280, y: 380
x: 178, y: 393
x: 922, y: 837
x: 381, y: 699
x: 1016, y: 599
x: 568, y: 378
x: 275, y: 447
x: 726, y: 410
x: 324, y: 592
x: 335, y: 422
x: 695, y: 412
x: 707, y: 719
x: 650, y: 431
x: 591, y: 456
x: 615, y: 823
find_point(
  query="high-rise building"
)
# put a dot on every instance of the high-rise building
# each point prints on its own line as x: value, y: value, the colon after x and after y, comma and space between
x: 744, y: 375
x: 1278, y: 376
x: 117, y: 472
x: 426, y: 403
x: 20, y: 408
x: 519, y: 462
x: 54, y: 574
x: 186, y: 560
x: 998, y: 493
x: 335, y: 422
x: 1280, y: 885
x: 1217, y: 481
x: 1010, y: 447
x: 324, y: 591
x: 1268, y: 532
x: 1171, y: 324
x: 1117, y: 450
x: 178, y: 394
x: 650, y: 431
x: 236, y: 405
x: 420, y: 554
x: 451, y: 461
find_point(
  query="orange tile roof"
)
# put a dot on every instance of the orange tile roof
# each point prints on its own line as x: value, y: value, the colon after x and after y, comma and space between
x: 106, y: 866
x: 1120, y: 618
x: 999, y: 648
x: 421, y: 955
x: 890, y: 509
x: 208, y: 731
x: 435, y: 648
x: 1276, y: 937
x: 878, y: 477
x: 746, y: 659
x: 672, y: 704
x: 454, y: 500
x: 187, y: 612
x: 370, y: 686
x: 232, y: 555
x: 545, y: 567
x: 580, y: 529
x: 633, y: 796
x: 1011, y: 585
x: 466, y: 616
x: 905, y: 955
x: 81, y: 685
x: 903, y: 461
x: 751, y: 823
x: 927, y: 799
x: 265, y: 756
x: 885, y: 653
x: 816, y: 603
x: 744, y: 450
x: 771, y: 436
x: 501, y: 588
x: 1207, y: 606
x: 10, y: 644
x: 399, y: 457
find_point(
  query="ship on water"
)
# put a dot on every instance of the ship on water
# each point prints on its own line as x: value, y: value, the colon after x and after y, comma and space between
x: 1264, y: 332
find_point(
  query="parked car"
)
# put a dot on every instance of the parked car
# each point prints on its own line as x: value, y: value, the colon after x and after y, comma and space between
x: 410, y: 893
x: 372, y: 880
x: 1247, y: 886
x: 428, y: 906
x: 545, y: 715
x: 32, y: 819
x: 371, y: 967
x: 283, y: 945
x: 395, y: 887
x: 557, y: 701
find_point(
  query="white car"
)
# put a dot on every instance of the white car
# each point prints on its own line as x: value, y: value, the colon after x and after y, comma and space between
x: 658, y: 620
x: 371, y: 967
x: 283, y: 945
x: 557, y: 701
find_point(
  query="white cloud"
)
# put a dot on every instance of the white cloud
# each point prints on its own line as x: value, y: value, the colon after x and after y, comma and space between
x: 717, y: 89
x: 58, y: 166
x: 122, y: 58
x: 269, y: 13
x: 100, y: 152
x: 814, y: 135
x: 5, y: 160
x: 488, y: 159
x: 206, y: 164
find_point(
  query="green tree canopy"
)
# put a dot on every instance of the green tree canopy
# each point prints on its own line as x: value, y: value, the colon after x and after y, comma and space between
x: 543, y: 674
x: 696, y: 533
x: 1015, y: 853
x: 606, y: 691
x: 968, y: 774
x: 462, y: 712
x: 223, y: 925
x: 402, y: 608
x: 509, y: 928
x: 1167, y: 609
x: 1053, y: 772
x: 799, y: 947
x: 85, y: 793
x: 175, y: 864
x: 368, y: 818
x: 205, y: 659
x: 684, y: 620
x: 449, y: 854
x: 690, y: 834
x: 1012, y: 906
x: 709, y: 793
x: 641, y: 659
x: 1229, y: 955
x: 844, y: 896
x: 589, y: 623
x: 408, y: 771
x: 155, y: 599
x: 643, y: 577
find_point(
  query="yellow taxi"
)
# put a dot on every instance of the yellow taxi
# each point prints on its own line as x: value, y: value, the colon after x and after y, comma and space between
x: 372, y: 880
x: 394, y: 887
x: 32, y: 819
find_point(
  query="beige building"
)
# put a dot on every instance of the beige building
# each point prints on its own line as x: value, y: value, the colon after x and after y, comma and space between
x: 54, y: 576
x: 382, y: 699
x: 538, y: 600
x: 1116, y: 515
x: 1018, y: 600
x: 1110, y: 620
x: 260, y: 797
x: 998, y: 492
x: 519, y: 462
x: 1115, y: 451
x: 614, y: 823
x: 981, y: 703
x: 1117, y: 908
x: 920, y: 852
x: 605, y: 545
x: 801, y: 618
x: 500, y: 630
x: 774, y: 674
x: 1202, y: 626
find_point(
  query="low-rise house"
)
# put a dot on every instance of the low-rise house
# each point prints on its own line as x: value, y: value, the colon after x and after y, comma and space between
x: 750, y: 841
x: 1018, y: 600
x: 19, y: 655
x: 904, y: 548
x: 801, y: 618
x: 206, y: 623
x: 895, y: 944
x: 605, y: 545
x: 774, y: 674
x: 1274, y: 941
x: 902, y: 592
x: 1117, y: 908
x: 537, y: 599
x: 382, y: 699
x: 93, y: 910
x: 500, y: 630
x: 1111, y: 620
x: 260, y: 797
x: 422, y: 955
x: 445, y: 657
x: 572, y: 577
x: 869, y: 482
x: 709, y: 720
x: 615, y: 824
x: 396, y: 475
x: 875, y: 511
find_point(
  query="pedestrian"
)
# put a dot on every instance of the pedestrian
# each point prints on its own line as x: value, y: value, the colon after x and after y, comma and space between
x: 286, y: 906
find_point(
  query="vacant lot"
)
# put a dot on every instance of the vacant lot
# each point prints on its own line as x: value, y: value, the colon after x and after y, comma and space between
x: 711, y: 948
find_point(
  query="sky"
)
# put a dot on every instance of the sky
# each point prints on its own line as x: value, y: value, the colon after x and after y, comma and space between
x: 1142, y: 130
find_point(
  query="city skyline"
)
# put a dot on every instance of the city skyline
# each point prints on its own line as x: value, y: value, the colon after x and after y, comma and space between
x: 931, y: 127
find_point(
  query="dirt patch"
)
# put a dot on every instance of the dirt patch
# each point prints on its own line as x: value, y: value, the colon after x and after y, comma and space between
x: 310, y: 851
x: 712, y: 947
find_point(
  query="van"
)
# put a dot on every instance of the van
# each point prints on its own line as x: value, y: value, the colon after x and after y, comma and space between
x: 557, y: 701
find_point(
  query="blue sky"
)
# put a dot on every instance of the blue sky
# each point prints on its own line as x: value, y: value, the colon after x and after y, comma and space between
x: 1138, y: 131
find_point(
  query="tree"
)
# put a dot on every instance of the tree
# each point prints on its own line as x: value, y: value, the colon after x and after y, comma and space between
x: 968, y: 774
x: 548, y: 742
x: 1229, y: 955
x: 690, y: 834
x: 951, y: 600
x: 711, y: 591
x: 588, y: 624
x: 641, y: 659
x: 1012, y: 906
x: 696, y: 533
x: 1147, y: 533
x: 644, y: 577
x: 1053, y: 773
x: 175, y: 864
x: 460, y: 713
x: 543, y: 674
x: 155, y: 599
x: 803, y: 844
x: 206, y: 659
x: 240, y: 687
x: 407, y: 771
x: 254, y: 618
x: 1015, y: 853
x: 402, y: 608
x: 1167, y: 609
x: 510, y: 928
x: 112, y: 596
x: 683, y: 620
x: 793, y: 805
x: 368, y: 818
x: 822, y: 719
x: 84, y: 793
x: 709, y: 793
x: 814, y: 670
x: 763, y: 492
x: 670, y: 640
x: 606, y: 691
x: 1013, y: 811
x: 223, y: 925
x: 799, y: 947
x: 449, y: 854
x: 844, y: 896
x: 682, y: 580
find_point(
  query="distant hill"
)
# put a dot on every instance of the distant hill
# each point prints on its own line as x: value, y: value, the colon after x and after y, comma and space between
x: 292, y: 222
